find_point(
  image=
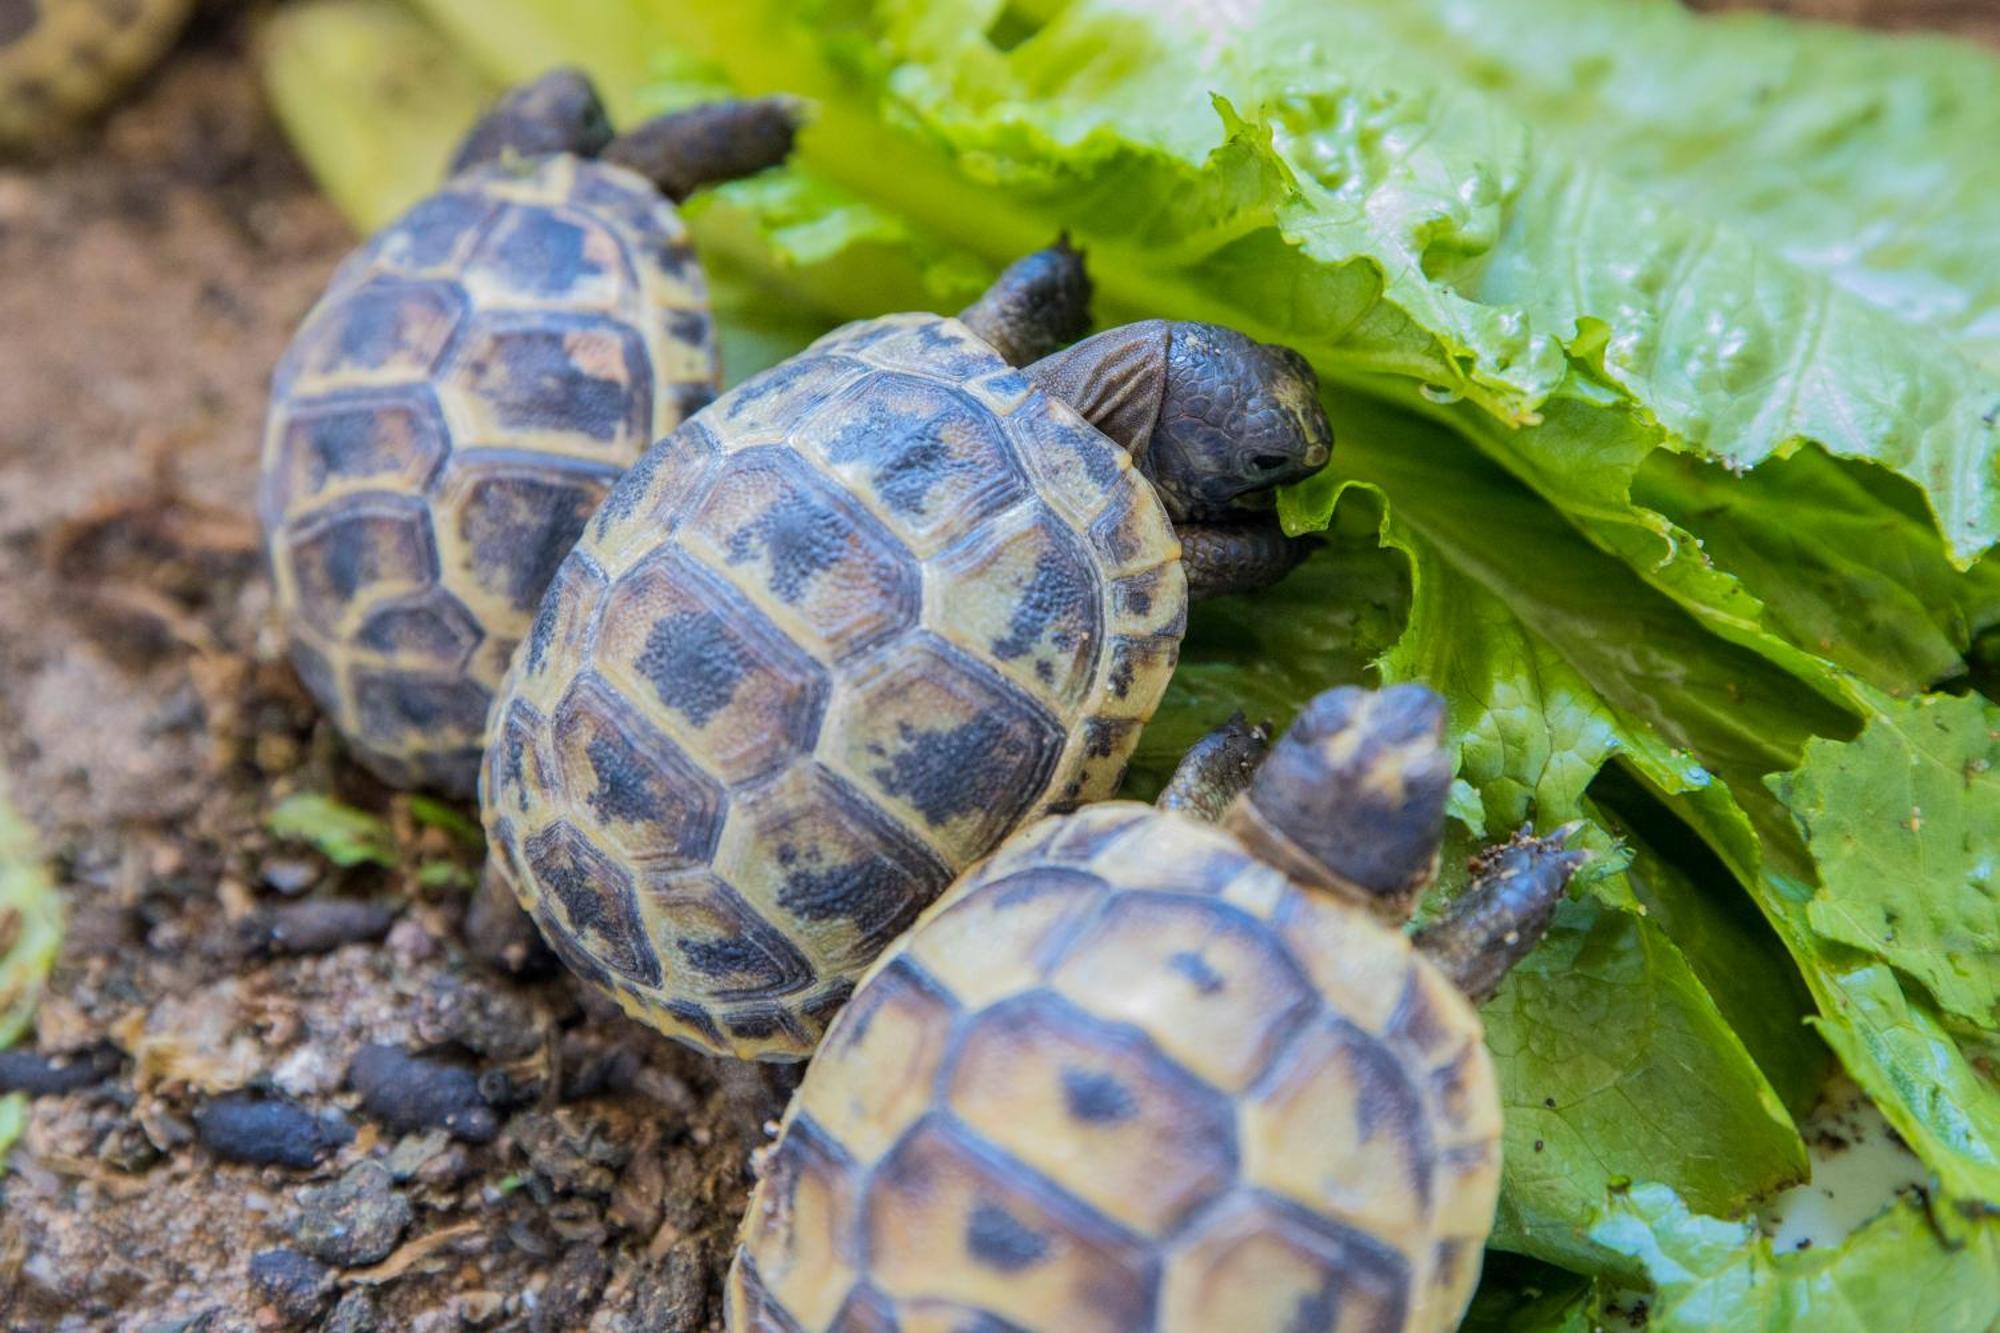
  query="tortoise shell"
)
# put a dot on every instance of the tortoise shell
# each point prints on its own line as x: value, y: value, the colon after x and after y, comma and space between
x: 60, y: 60
x: 1126, y: 1076
x: 445, y: 422
x: 821, y: 649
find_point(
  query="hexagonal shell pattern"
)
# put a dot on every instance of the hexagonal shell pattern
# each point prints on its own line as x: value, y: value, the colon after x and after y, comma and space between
x: 855, y: 599
x: 1103, y: 1084
x: 477, y: 375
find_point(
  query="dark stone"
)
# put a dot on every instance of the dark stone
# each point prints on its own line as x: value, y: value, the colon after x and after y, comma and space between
x: 355, y: 1313
x: 409, y: 1093
x: 41, y: 1075
x: 268, y: 1130
x: 573, y: 1290
x: 320, y: 925
x: 500, y: 934
x: 356, y: 1220
x: 296, y: 1286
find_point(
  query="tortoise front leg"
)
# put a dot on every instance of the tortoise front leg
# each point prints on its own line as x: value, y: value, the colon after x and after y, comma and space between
x: 1224, y: 558
x: 1497, y: 920
x: 1040, y: 304
x: 1216, y: 769
x: 706, y: 145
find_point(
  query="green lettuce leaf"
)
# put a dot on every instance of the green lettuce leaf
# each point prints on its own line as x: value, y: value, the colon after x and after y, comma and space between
x: 1722, y: 1277
x: 374, y: 100
x: 1904, y: 825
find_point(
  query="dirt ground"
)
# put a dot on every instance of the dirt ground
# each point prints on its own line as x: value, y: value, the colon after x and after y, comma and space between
x: 147, y: 283
x: 588, y: 1174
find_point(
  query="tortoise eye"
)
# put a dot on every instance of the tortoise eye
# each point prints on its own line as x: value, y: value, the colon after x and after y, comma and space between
x: 1269, y: 462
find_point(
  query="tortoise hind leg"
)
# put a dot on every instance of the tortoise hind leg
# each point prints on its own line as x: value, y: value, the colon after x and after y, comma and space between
x: 1216, y: 769
x: 705, y: 145
x: 1503, y: 914
x: 1039, y: 305
x: 557, y: 113
x: 1224, y: 558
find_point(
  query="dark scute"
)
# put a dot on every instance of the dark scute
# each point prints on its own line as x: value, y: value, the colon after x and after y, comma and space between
x: 724, y: 956
x: 1388, y: 1103
x: 624, y: 496
x: 991, y: 761
x: 543, y: 632
x: 880, y: 896
x: 431, y: 232
x: 624, y: 780
x: 427, y: 632
x: 1197, y: 970
x: 1317, y: 1311
x: 694, y: 664
x: 533, y: 383
x: 1060, y: 596
x: 542, y: 253
x: 754, y: 1024
x: 821, y: 1008
x: 391, y: 705
x: 999, y: 1240
x: 1097, y: 1097
x: 696, y: 1017
x: 598, y: 898
x: 520, y: 529
x: 268, y: 1130
x: 689, y: 399
x: 17, y: 19
x: 691, y: 327
x: 905, y: 459
x: 355, y: 444
x: 798, y: 535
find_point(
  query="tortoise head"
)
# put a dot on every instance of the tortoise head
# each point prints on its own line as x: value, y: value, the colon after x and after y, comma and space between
x: 1237, y: 417
x: 557, y: 113
x: 1352, y: 796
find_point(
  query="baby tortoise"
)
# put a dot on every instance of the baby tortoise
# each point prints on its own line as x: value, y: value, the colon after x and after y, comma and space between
x: 62, y: 60
x: 838, y: 635
x: 1140, y: 1071
x: 466, y: 392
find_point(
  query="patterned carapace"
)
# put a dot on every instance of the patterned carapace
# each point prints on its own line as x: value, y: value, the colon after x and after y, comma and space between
x: 820, y: 650
x: 1127, y: 1076
x: 446, y: 421
x: 61, y: 60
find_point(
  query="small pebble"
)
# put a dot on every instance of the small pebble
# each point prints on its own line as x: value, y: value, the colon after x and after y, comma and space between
x: 289, y: 875
x: 573, y: 1290
x: 409, y: 1093
x: 500, y: 934
x: 355, y: 1313
x: 320, y: 925
x: 268, y: 1131
x: 296, y: 1286
x: 41, y: 1075
x: 355, y: 1221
